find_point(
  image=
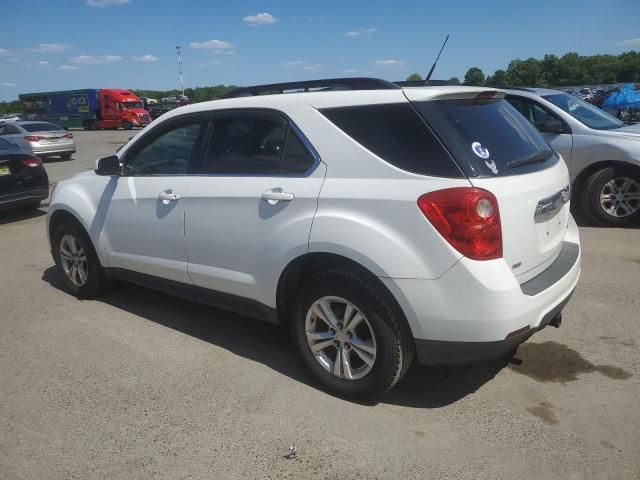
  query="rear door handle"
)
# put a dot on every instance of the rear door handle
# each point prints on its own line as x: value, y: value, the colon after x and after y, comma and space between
x: 167, y: 197
x: 276, y: 195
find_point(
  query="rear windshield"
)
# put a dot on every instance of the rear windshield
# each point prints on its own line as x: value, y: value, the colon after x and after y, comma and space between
x: 396, y: 134
x: 488, y: 137
x: 40, y: 127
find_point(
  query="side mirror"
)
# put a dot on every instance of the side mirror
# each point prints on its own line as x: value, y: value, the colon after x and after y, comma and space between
x: 108, y: 165
x: 552, y: 126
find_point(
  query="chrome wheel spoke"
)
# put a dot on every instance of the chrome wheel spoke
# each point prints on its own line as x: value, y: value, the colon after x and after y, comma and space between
x: 333, y: 340
x: 346, y: 364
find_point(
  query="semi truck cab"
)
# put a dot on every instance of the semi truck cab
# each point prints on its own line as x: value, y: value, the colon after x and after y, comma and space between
x: 121, y: 108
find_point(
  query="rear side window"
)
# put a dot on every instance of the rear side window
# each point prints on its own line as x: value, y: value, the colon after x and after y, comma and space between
x: 488, y: 136
x: 397, y: 134
x: 4, y: 145
x: 256, y: 144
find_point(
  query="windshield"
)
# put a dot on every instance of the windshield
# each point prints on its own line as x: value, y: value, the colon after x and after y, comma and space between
x: 488, y: 137
x: 131, y: 105
x: 40, y: 127
x: 590, y: 115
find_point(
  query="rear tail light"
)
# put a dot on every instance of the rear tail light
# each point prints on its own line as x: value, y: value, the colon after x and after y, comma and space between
x: 68, y: 135
x: 31, y: 161
x: 468, y: 218
x: 33, y: 138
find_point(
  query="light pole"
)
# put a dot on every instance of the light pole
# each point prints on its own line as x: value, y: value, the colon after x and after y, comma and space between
x: 178, y: 49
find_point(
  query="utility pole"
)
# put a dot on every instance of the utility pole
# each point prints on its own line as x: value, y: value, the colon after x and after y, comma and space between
x: 178, y: 49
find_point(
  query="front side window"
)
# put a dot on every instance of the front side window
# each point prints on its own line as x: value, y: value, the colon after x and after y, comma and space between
x: 539, y: 116
x: 256, y: 145
x: 171, y: 153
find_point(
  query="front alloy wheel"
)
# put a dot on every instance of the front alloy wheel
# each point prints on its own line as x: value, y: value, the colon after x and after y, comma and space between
x: 620, y: 197
x: 73, y: 259
x: 340, y: 338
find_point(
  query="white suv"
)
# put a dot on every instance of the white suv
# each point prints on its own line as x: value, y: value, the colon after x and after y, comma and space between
x: 377, y: 223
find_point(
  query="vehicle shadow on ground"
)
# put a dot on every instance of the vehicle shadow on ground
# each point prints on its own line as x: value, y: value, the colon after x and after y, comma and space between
x: 423, y: 387
x: 18, y: 214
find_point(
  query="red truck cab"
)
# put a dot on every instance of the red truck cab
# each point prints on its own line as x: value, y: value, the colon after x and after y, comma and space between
x: 121, y: 108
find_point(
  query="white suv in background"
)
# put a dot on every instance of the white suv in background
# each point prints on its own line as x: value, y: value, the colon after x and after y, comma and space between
x: 377, y: 223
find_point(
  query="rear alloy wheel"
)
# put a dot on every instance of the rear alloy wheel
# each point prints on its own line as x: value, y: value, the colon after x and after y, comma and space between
x: 611, y: 196
x: 349, y: 334
x: 340, y: 337
x: 77, y: 261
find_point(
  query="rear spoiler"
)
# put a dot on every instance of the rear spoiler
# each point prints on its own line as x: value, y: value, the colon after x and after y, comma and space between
x: 461, y: 93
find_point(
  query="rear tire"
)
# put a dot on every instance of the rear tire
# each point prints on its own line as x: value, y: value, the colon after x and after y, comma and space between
x: 127, y: 125
x: 30, y: 207
x: 66, y: 156
x: 77, y: 261
x: 610, y: 197
x: 378, y: 348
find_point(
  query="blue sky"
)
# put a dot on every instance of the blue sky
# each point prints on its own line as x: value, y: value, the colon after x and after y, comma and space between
x: 66, y: 44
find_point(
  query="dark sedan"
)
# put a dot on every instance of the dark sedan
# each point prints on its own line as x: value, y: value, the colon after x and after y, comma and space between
x: 23, y: 179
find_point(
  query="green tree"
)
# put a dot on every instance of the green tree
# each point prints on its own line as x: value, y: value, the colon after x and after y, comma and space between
x: 454, y: 81
x: 498, y: 79
x: 414, y: 77
x: 524, y: 72
x: 474, y: 76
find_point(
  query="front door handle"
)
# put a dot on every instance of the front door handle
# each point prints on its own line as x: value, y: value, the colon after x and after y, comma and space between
x: 276, y: 195
x: 168, y: 196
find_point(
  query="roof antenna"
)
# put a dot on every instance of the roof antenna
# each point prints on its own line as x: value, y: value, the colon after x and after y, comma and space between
x: 426, y: 80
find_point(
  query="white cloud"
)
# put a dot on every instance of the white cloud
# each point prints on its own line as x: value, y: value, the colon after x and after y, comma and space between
x: 5, y: 52
x: 353, y: 71
x: 359, y: 33
x: 8, y: 84
x: 146, y: 58
x: 388, y: 63
x: 631, y: 42
x: 91, y: 60
x: 105, y: 3
x: 68, y: 67
x: 294, y: 63
x: 212, y: 45
x: 212, y: 63
x: 50, y: 48
x: 313, y: 67
x: 260, y: 19
x: 42, y: 63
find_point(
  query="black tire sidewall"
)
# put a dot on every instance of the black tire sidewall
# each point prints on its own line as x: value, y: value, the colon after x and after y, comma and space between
x: 591, y: 196
x: 385, y: 367
x: 95, y: 280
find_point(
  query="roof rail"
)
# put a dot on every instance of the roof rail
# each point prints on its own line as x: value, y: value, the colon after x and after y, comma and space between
x: 358, y: 83
x: 420, y: 83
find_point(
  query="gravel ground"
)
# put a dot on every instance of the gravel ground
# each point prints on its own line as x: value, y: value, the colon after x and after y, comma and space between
x: 142, y: 385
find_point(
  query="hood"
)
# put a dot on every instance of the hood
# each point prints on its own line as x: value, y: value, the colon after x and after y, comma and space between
x: 627, y: 131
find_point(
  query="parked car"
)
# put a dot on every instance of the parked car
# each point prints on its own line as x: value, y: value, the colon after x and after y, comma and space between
x: 377, y: 223
x: 10, y: 117
x: 23, y: 179
x: 602, y: 152
x: 43, y: 139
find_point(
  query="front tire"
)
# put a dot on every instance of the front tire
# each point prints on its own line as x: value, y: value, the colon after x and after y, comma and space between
x: 77, y: 261
x: 611, y: 197
x: 349, y: 335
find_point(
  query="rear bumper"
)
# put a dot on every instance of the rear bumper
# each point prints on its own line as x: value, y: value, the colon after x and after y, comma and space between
x: 26, y: 197
x: 435, y: 352
x: 56, y: 149
x: 471, y: 312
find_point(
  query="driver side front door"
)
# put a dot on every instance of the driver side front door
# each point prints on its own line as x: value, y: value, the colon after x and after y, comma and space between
x: 144, y: 220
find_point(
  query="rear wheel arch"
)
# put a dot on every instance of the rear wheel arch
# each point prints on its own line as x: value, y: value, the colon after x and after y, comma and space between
x: 582, y: 177
x: 309, y: 264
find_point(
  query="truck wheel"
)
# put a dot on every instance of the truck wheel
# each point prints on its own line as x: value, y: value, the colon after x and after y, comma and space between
x: 349, y: 335
x: 611, y: 196
x: 127, y: 125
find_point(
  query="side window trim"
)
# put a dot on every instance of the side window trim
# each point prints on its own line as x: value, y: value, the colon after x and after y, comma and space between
x: 164, y: 128
x: 291, y: 126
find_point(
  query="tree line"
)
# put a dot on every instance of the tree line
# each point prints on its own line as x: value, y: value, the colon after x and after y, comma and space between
x: 568, y: 70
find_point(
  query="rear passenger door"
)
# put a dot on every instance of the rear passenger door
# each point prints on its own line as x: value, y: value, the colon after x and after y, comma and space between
x: 249, y: 211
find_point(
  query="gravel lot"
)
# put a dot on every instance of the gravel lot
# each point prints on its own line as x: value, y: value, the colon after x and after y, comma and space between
x: 142, y: 385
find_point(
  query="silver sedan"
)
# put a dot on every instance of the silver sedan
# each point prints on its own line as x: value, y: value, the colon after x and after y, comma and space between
x: 602, y: 152
x: 43, y: 139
